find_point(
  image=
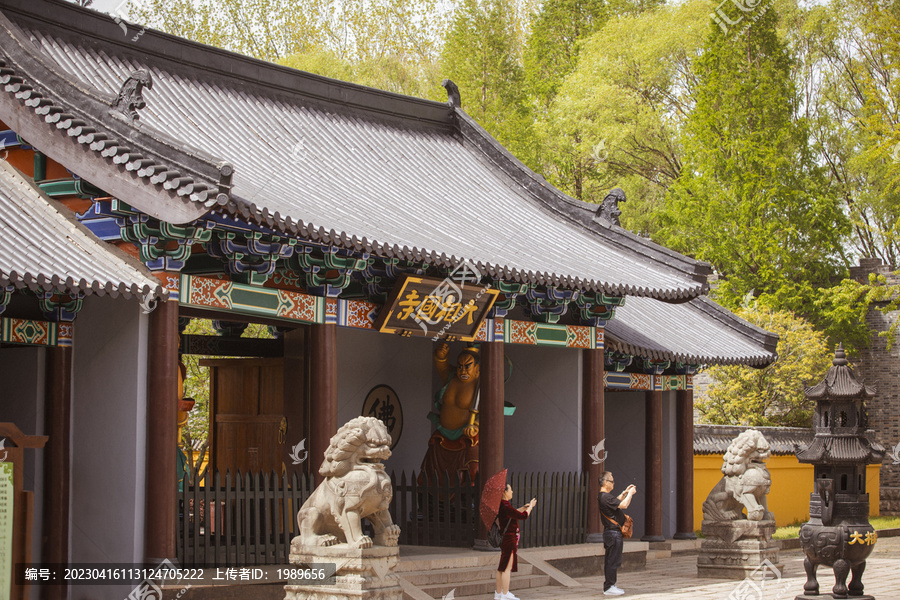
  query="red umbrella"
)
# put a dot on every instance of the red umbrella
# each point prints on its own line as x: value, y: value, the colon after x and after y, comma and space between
x: 491, y: 496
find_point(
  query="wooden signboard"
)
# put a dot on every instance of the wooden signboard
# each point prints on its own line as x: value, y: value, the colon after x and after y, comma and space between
x: 436, y: 308
x: 16, y: 508
x: 7, y: 506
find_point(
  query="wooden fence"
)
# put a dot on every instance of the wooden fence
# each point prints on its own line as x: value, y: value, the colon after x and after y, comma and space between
x: 434, y: 512
x: 560, y: 516
x: 239, y: 520
x: 250, y: 519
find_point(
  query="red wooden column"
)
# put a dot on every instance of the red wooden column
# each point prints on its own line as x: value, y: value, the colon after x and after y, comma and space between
x: 162, y: 428
x: 490, y: 434
x: 322, y: 392
x: 684, y: 465
x: 593, y: 408
x: 295, y: 397
x: 58, y: 411
x: 653, y: 468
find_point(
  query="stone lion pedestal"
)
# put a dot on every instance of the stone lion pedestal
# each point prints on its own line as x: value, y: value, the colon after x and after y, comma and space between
x: 362, y: 573
x: 355, y: 487
x: 737, y: 546
x: 735, y: 549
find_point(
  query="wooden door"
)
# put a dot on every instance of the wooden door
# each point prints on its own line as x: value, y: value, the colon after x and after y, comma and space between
x: 246, y: 413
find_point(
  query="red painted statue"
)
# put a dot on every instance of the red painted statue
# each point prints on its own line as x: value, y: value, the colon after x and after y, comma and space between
x: 453, y: 447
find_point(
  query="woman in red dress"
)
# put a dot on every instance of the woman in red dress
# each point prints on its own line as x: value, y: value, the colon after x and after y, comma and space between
x: 509, y: 525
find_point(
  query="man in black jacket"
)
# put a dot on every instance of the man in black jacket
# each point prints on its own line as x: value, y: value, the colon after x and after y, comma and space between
x: 613, y: 518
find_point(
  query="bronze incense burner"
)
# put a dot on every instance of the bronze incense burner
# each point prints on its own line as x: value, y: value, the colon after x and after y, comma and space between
x: 838, y: 533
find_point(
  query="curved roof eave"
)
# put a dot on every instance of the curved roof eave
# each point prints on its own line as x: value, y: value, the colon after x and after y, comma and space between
x: 166, y: 178
x: 697, y: 332
x: 76, y: 125
x: 46, y: 249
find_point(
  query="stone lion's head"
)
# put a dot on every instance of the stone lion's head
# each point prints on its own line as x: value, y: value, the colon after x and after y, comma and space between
x: 364, y: 440
x: 747, y: 449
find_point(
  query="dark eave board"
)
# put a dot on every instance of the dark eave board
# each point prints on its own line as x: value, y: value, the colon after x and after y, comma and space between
x: 697, y: 332
x: 43, y: 247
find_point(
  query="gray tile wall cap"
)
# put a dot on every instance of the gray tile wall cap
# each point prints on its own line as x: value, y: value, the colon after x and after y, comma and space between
x: 715, y: 439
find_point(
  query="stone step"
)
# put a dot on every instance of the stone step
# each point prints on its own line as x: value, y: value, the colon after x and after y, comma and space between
x: 448, y: 561
x: 485, y: 589
x: 259, y: 591
x: 458, y: 575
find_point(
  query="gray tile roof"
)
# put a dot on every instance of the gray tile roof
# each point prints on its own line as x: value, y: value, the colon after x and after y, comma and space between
x: 42, y: 247
x: 715, y: 439
x: 697, y: 332
x: 329, y: 161
x: 843, y: 450
x: 839, y: 381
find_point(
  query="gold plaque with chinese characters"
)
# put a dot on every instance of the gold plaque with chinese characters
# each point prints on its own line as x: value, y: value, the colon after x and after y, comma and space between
x: 449, y: 308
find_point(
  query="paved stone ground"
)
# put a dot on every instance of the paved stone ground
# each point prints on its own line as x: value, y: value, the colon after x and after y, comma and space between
x: 676, y: 578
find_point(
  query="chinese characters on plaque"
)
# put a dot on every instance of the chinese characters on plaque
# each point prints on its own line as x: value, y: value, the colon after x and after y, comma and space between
x: 451, y: 308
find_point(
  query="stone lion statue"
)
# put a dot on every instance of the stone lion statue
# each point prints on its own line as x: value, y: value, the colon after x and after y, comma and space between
x: 745, y: 484
x: 355, y: 488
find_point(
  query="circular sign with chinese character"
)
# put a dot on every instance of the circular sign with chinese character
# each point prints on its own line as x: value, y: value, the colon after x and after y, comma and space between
x: 382, y: 403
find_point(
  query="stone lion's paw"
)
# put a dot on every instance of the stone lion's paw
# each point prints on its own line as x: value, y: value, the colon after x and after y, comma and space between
x: 328, y: 540
x: 389, y: 537
x: 364, y: 542
x: 392, y: 535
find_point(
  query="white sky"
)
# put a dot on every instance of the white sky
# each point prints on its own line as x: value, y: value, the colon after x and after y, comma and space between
x: 106, y: 6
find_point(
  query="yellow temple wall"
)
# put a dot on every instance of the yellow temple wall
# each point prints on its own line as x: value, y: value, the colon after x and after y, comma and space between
x: 792, y: 483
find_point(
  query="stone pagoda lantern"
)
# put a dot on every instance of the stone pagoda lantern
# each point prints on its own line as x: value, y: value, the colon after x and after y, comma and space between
x: 838, y: 533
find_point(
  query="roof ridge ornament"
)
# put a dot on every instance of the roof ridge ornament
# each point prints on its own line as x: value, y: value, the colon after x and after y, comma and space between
x: 453, y: 97
x: 609, y: 208
x: 130, y: 98
x: 840, y: 357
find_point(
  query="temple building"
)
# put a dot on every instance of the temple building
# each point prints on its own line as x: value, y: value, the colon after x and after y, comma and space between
x: 153, y: 181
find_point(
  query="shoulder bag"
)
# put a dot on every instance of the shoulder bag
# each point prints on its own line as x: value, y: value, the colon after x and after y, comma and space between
x: 627, y: 528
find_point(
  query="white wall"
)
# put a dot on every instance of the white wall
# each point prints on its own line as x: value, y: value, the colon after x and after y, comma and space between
x: 625, y: 441
x: 367, y: 359
x: 544, y: 434
x: 108, y: 439
x: 545, y: 385
x: 624, y: 423
x: 22, y: 371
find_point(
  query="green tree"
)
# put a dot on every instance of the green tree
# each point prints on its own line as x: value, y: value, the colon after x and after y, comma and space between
x: 391, y: 44
x: 557, y: 32
x: 266, y: 29
x: 480, y: 56
x: 845, y: 306
x: 771, y: 396
x: 617, y: 116
x: 850, y: 74
x: 750, y: 198
x: 552, y: 51
x: 388, y: 73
